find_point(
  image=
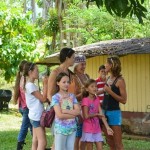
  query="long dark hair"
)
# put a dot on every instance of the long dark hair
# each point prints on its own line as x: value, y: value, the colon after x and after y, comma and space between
x: 17, y: 82
x: 86, y: 85
x: 29, y: 66
x: 58, y: 78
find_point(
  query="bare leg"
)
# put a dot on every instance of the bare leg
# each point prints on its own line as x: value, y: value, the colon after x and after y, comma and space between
x: 117, y: 137
x: 76, y: 144
x: 41, y: 138
x: 89, y: 145
x: 99, y: 145
x: 109, y: 139
x: 53, y: 146
x: 34, y: 140
x: 82, y: 145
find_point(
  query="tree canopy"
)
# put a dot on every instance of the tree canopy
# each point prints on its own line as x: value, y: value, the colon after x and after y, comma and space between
x: 122, y: 8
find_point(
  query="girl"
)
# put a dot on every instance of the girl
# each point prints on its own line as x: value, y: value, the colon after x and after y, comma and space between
x: 91, y: 113
x: 19, y: 96
x: 66, y: 109
x: 66, y: 58
x: 35, y: 101
x: 115, y: 93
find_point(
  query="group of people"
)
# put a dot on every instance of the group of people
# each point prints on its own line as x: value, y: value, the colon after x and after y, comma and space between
x: 84, y: 107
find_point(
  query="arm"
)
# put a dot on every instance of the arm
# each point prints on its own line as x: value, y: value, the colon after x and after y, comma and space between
x: 38, y: 95
x: 123, y: 94
x: 77, y: 92
x: 109, y: 130
x: 86, y: 115
x: 75, y: 111
x: 61, y: 115
x: 51, y: 85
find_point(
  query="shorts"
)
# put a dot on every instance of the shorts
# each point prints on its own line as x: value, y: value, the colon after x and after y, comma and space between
x: 79, y: 130
x: 114, y: 117
x: 35, y: 124
x: 91, y: 137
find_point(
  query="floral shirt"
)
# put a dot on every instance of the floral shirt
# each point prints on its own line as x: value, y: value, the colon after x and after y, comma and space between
x: 64, y: 126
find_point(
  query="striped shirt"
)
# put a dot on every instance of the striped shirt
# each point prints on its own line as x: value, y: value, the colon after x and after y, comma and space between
x: 100, y: 86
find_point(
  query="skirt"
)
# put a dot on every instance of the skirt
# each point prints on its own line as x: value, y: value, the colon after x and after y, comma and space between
x: 91, y: 137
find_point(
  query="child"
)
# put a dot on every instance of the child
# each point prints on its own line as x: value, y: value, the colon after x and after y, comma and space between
x: 101, y: 82
x: 66, y: 109
x: 35, y: 101
x: 19, y: 97
x: 91, y: 113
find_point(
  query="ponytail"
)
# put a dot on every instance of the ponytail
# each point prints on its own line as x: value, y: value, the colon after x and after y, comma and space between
x: 16, y: 88
x: 17, y: 82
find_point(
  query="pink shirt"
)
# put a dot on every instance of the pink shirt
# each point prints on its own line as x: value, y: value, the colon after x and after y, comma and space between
x: 21, y: 99
x: 91, y: 125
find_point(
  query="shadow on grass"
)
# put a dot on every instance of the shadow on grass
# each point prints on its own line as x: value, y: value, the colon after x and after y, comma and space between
x: 8, y: 140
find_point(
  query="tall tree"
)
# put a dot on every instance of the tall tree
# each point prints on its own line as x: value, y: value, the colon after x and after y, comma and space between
x: 33, y: 10
x: 122, y: 8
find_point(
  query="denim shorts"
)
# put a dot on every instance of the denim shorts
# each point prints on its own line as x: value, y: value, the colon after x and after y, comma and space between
x: 114, y: 117
x: 35, y: 124
x: 79, y: 130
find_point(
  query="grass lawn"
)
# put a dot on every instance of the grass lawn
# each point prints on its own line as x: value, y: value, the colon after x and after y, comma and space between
x: 9, y: 127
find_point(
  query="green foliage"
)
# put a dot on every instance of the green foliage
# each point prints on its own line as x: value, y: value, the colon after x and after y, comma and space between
x: 17, y: 40
x: 122, y: 8
x: 93, y: 25
x: 51, y: 26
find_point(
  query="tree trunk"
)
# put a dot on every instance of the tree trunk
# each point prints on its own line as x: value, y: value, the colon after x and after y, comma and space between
x: 24, y: 6
x: 58, y: 5
x: 33, y: 10
x: 53, y: 42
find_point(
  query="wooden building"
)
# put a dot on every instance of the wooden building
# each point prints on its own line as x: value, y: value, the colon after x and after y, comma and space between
x: 135, y: 59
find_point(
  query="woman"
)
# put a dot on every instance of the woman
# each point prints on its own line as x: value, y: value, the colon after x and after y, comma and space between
x: 66, y: 57
x: 114, y: 93
x: 80, y: 79
x: 19, y: 96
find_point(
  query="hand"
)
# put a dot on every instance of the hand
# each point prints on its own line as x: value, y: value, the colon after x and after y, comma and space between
x: 109, y: 131
x: 100, y: 115
x: 107, y: 89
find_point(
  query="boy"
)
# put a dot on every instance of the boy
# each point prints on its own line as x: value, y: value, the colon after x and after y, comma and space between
x: 101, y: 81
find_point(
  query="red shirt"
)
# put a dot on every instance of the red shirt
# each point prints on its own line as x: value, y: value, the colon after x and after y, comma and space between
x: 100, y: 86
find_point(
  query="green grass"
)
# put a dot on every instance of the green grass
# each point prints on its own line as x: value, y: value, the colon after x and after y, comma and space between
x: 10, y: 124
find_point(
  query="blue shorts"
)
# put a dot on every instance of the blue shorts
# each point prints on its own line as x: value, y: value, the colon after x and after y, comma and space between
x: 35, y: 124
x: 114, y: 117
x: 79, y: 130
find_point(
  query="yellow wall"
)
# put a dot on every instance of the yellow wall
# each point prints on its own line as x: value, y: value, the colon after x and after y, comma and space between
x: 136, y: 71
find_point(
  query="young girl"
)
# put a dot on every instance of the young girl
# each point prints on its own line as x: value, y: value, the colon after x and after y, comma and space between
x: 35, y: 101
x: 19, y: 97
x: 91, y: 113
x: 66, y: 109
